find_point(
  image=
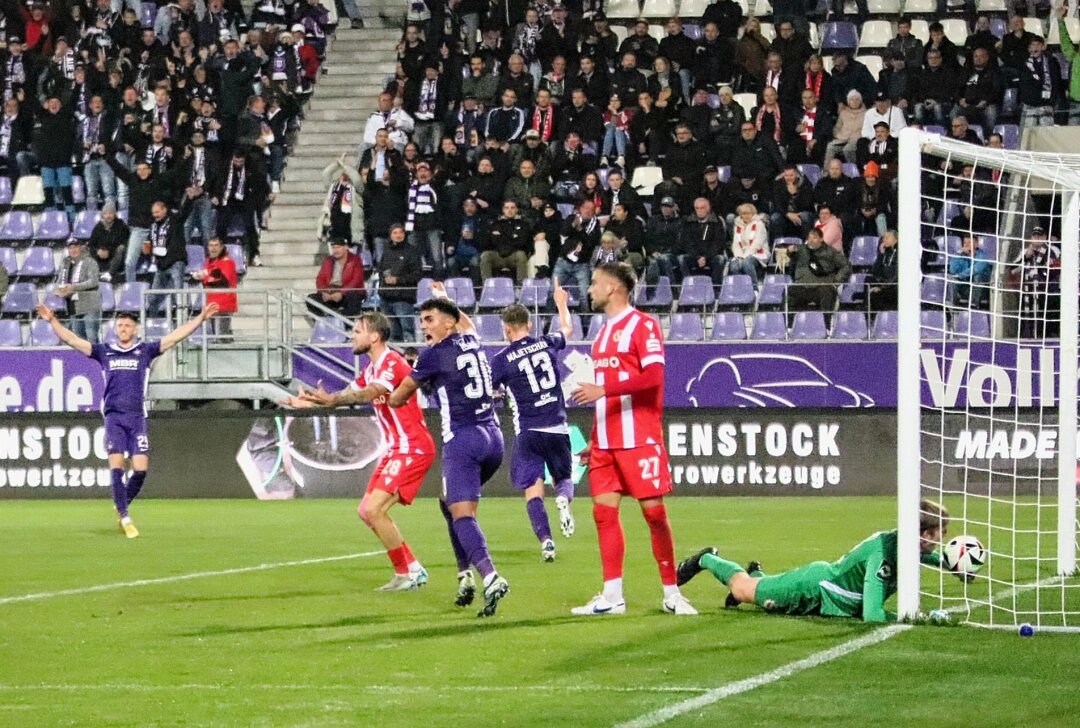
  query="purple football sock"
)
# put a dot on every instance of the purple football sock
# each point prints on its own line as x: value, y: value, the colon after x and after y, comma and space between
x: 459, y: 553
x: 538, y: 517
x: 565, y: 488
x: 475, y: 545
x: 135, y: 484
x: 119, y: 491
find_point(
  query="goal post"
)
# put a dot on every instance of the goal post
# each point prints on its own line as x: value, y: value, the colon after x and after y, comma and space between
x: 987, y: 376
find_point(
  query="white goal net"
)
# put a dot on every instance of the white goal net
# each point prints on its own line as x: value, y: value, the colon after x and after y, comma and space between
x: 987, y: 361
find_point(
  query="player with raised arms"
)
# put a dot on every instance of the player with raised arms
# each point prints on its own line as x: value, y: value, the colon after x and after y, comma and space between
x: 626, y: 453
x: 455, y: 368
x: 528, y: 369
x: 855, y: 585
x: 410, y: 451
x: 125, y: 366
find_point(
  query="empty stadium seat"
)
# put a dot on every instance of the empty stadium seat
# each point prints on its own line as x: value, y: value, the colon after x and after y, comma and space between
x: 760, y: 8
x: 1010, y: 135
x: 809, y: 326
x: 839, y: 35
x: 596, y: 322
x: 42, y: 334
x: 693, y: 8
x: 662, y: 296
x: 236, y: 252
x: 737, y: 290
x: 535, y: 292
x: 851, y: 170
x: 489, y: 327
x: 155, y: 329
x: 658, y: 9
x: 873, y: 64
x: 773, y: 289
x: 975, y: 324
x: 327, y: 330
x: 20, y: 299
x: 78, y: 190
x: 991, y: 6
x: 9, y: 261
x: 53, y: 227
x: 29, y: 192
x: 854, y: 288
x: 885, y: 326
x: 622, y: 9
x: 769, y: 325
x: 812, y: 172
x: 864, y: 251
x: 646, y: 178
x: 1010, y: 102
x: 148, y: 14
x: 768, y: 31
x: 10, y: 333
x: 723, y: 173
x: 52, y: 301
x: 728, y: 326
x: 130, y: 297
x: 1071, y: 24
x: 85, y: 222
x: 423, y: 290
x: 883, y: 7
x: 747, y: 101
x: 497, y: 293
x: 38, y: 263
x: 108, y: 300
x: 932, y: 324
x: 6, y: 193
x: 849, y: 325
x: 577, y: 333
x: 196, y: 256
x: 920, y: 28
x: 876, y: 34
x: 17, y: 228
x: 686, y: 327
x: 1035, y: 25
x: 696, y: 291
x: 956, y: 30
x: 920, y: 7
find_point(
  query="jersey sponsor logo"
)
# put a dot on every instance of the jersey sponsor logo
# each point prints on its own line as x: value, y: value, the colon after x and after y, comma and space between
x: 653, y: 345
x: 610, y: 362
x: 123, y: 364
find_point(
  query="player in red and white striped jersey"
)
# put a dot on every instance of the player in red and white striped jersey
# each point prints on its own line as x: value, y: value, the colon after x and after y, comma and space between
x: 410, y: 451
x: 627, y: 454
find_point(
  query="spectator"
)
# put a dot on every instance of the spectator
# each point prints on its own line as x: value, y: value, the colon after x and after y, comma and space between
x: 558, y: 38
x: 95, y: 131
x: 202, y: 166
x: 702, y: 241
x: 648, y: 131
x: 592, y: 80
x: 883, y: 150
x: 1014, y: 48
x: 616, y: 132
x: 750, y: 244
x: 485, y: 188
x: 507, y: 122
x: 394, y: 119
x: 980, y: 97
x: 15, y: 156
x: 526, y: 186
x: 507, y: 245
x: 630, y: 231
x: 712, y: 190
x: 875, y: 203
x: 770, y: 117
x: 526, y: 35
x: 166, y: 238
x: 422, y: 220
x: 811, y: 133
x: 936, y: 90
x: 1073, y: 57
x: 883, y: 111
x: 340, y: 218
x: 386, y: 184
x: 684, y: 163
x: 838, y: 192
x: 713, y: 63
x: 751, y: 52
x: 1040, y: 86
x: 662, y: 241
x: 542, y: 118
x: 570, y: 165
x: 882, y: 290
x: 819, y: 269
x: 756, y: 156
x: 517, y: 77
x: 898, y: 82
x: 339, y: 286
x: 77, y: 284
x: 832, y: 229
x: 218, y: 276
x: 1039, y: 268
x: 679, y: 50
x: 793, y: 47
x: 950, y: 54
x: 621, y: 193
x: 556, y: 83
x: 144, y: 188
x: 427, y: 101
x: 786, y: 81
x: 728, y: 17
x: 818, y: 80
x: 642, y: 46
x: 612, y: 249
x: 239, y: 197
x: 399, y: 273
x: 742, y: 190
x: 666, y: 87
x: 908, y: 46
x: 108, y: 242
x: 535, y: 150
x: 972, y: 269
x: 982, y: 37
x: 54, y: 144
x: 793, y: 201
x: 849, y: 74
x: 582, y: 118
x: 961, y: 132
x: 464, y: 255
x: 847, y: 130
x: 581, y: 233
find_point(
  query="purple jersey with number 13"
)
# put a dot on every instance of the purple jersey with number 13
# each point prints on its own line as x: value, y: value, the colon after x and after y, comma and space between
x: 456, y: 369
x: 127, y: 374
x: 529, y: 369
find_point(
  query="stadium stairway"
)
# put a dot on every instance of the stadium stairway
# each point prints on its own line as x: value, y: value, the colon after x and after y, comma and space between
x: 359, y: 62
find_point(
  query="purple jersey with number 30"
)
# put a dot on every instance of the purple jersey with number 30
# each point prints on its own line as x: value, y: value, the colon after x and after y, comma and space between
x: 456, y: 369
x: 529, y: 369
x: 127, y: 373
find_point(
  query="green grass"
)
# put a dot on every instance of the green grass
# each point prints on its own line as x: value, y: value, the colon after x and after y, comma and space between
x: 313, y: 645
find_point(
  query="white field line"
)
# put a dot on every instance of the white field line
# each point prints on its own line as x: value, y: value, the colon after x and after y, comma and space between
x: 39, y: 596
x: 715, y: 695
x: 197, y: 687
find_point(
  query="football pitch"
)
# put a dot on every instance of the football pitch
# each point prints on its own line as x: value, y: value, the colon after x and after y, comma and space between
x: 241, y: 613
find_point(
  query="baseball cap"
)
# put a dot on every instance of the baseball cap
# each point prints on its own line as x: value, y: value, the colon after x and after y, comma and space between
x: 871, y: 170
x: 298, y: 28
x: 338, y: 240
x: 1038, y: 230
x: 711, y: 168
x: 532, y: 134
x: 667, y: 202
x: 881, y: 96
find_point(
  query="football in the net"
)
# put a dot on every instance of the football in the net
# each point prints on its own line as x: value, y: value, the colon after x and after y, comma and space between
x: 964, y: 554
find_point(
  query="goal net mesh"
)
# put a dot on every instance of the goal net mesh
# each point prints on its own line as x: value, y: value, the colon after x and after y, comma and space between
x: 986, y: 355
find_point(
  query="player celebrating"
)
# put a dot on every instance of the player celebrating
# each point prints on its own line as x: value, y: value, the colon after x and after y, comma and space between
x: 529, y: 371
x: 856, y: 585
x: 626, y: 452
x: 410, y: 451
x: 454, y: 366
x: 126, y: 368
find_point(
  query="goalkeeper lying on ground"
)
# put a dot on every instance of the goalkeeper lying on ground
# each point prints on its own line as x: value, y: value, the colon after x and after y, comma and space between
x: 856, y: 585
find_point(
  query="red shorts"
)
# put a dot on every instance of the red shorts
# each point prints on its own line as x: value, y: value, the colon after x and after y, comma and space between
x: 640, y: 472
x: 401, y: 473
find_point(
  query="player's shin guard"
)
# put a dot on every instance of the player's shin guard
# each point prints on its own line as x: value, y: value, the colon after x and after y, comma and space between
x: 663, y: 545
x: 135, y: 484
x: 612, y: 542
x: 119, y: 491
x: 565, y: 488
x: 472, y: 540
x: 722, y: 569
x: 397, y: 558
x: 459, y: 552
x: 538, y: 517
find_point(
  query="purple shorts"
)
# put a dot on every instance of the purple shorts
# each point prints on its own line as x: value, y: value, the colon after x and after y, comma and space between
x: 533, y: 452
x: 126, y: 434
x: 469, y: 460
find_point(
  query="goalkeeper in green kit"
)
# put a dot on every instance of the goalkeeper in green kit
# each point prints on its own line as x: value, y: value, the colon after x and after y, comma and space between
x: 856, y: 585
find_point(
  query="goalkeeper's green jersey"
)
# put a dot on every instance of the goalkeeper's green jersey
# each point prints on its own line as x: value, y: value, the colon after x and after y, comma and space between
x: 859, y: 582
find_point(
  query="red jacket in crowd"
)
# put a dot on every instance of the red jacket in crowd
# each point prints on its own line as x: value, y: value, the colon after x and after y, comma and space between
x: 221, y: 273
x: 352, y: 278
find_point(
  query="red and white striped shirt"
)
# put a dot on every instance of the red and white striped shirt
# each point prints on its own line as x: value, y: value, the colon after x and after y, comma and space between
x: 403, y: 428
x: 627, y: 344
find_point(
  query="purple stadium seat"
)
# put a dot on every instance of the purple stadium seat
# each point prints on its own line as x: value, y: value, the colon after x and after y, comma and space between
x: 723, y: 174
x: 692, y: 31
x: 108, y: 301
x: 812, y: 172
x: 1010, y: 135
x: 53, y: 227
x: 236, y: 252
x: 728, y: 326
x: 461, y: 292
x: 155, y: 329
x: 130, y: 297
x: 885, y: 326
x: 196, y: 256
x: 78, y: 190
x: 934, y: 290
x: 773, y: 289
x: 84, y: 224
x: 989, y: 244
x: 328, y: 330
x: 577, y: 333
x: 17, y: 227
x: 108, y: 334
x: 52, y: 301
x: 933, y: 325
x: 661, y: 296
x: 6, y: 194
x: 602, y: 174
x: 934, y: 129
x: 696, y: 291
x: 20, y: 299
x: 122, y: 214
x: 497, y: 293
x: 855, y: 285
x: 9, y: 261
x: 41, y: 334
x: 596, y: 321
x: 423, y: 290
x: 10, y: 333
x: 686, y: 327
x: 1010, y: 102
x: 534, y: 293
x: 769, y: 325
x: 737, y: 290
x: 839, y: 35
x: 565, y: 209
x: 864, y: 251
x: 998, y: 27
x: 148, y: 14
x: 851, y: 170
x: 849, y: 325
x: 974, y: 324
x: 572, y: 292
x: 949, y: 210
x: 489, y: 327
x: 809, y: 325
x: 38, y: 263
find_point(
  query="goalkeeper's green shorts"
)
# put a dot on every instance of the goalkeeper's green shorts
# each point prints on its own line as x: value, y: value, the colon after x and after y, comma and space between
x: 795, y: 592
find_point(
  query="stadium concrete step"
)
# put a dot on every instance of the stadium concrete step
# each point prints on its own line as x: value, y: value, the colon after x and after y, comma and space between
x: 335, y: 127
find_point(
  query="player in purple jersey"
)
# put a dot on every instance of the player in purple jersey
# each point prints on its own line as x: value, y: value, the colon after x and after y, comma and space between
x: 528, y: 369
x: 454, y: 367
x: 126, y: 368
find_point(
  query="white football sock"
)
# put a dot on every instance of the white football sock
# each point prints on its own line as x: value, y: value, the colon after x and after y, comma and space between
x: 613, y: 590
x: 670, y: 591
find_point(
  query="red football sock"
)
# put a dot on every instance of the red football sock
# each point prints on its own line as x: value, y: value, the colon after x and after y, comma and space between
x: 397, y: 558
x: 612, y: 542
x: 663, y: 545
x: 409, y: 558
